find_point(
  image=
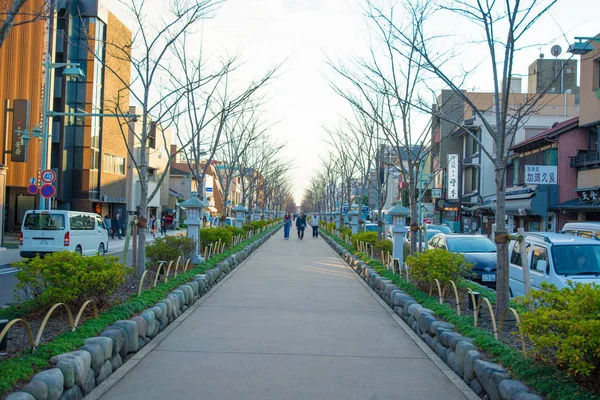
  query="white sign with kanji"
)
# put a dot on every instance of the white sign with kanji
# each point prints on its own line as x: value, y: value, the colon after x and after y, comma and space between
x: 541, y: 174
x: 452, y: 192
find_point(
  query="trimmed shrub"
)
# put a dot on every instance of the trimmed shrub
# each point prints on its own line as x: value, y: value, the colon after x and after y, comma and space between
x: 212, y: 235
x: 437, y: 264
x: 234, y: 230
x: 564, y: 327
x: 67, y: 277
x: 345, y: 231
x: 369, y: 237
x: 385, y: 245
x: 167, y: 248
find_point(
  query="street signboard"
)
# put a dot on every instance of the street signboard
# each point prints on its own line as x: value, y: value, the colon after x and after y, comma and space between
x: 20, y: 113
x: 47, y: 191
x: 208, y: 189
x: 541, y: 174
x: 452, y: 193
x: 48, y: 176
x: 436, y: 193
x: 32, y: 189
x: 365, y: 209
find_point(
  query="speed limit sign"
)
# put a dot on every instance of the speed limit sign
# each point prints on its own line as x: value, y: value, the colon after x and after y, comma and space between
x: 48, y: 176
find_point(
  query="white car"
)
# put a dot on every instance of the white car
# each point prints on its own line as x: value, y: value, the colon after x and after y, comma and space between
x: 554, y: 258
x: 49, y: 231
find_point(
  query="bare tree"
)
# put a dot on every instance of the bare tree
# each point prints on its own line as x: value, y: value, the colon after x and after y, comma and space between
x: 22, y: 12
x: 501, y: 27
x: 152, y: 56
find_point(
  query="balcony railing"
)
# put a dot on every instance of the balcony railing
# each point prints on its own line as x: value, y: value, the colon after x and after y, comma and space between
x: 586, y: 160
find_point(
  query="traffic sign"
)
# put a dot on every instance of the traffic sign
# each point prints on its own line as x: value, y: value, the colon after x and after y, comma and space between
x: 32, y: 181
x: 32, y: 189
x: 47, y: 191
x: 48, y: 176
x: 209, y: 189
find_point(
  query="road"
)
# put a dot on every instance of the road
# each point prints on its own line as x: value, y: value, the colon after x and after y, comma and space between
x: 9, y: 256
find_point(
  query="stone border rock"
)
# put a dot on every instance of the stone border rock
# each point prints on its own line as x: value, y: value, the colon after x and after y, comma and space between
x: 77, y: 373
x: 486, y: 379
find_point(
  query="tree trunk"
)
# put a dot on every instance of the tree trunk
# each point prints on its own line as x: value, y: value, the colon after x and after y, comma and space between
x: 141, y: 249
x: 414, y: 216
x: 502, y: 286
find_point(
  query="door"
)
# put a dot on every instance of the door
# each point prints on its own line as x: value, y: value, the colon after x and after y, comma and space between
x: 515, y: 274
x: 102, y: 233
x: 539, y: 266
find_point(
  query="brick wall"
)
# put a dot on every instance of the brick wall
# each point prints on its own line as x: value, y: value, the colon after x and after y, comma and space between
x: 116, y: 100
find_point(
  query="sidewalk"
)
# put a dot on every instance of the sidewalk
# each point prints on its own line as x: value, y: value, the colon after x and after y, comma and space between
x: 293, y: 322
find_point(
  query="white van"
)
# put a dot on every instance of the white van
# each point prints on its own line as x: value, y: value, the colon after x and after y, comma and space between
x: 44, y: 232
x: 589, y: 230
x: 554, y: 258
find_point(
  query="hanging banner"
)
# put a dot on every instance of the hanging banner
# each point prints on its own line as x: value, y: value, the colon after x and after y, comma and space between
x: 452, y: 184
x: 20, y: 122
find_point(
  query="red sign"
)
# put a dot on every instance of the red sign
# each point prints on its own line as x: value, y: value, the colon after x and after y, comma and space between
x: 32, y: 189
x: 47, y: 191
x: 48, y: 176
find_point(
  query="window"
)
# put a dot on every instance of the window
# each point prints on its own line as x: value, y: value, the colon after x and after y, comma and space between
x: 475, y: 180
x: 515, y: 257
x: 114, y: 164
x: 45, y: 222
x: 515, y: 171
x: 82, y: 223
x: 551, y: 156
x: 539, y: 254
x: 100, y: 222
x: 152, y: 136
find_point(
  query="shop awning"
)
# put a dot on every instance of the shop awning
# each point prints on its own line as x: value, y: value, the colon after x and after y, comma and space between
x: 534, y: 205
x: 578, y: 205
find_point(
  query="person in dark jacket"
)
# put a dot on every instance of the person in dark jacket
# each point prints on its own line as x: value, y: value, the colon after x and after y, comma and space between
x: 116, y: 226
x: 301, y: 225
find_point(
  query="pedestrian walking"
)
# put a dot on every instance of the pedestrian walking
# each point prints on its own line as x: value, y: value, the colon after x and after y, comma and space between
x: 107, y: 225
x: 301, y: 225
x: 287, y: 225
x: 153, y: 227
x: 163, y: 225
x: 314, y: 222
x: 116, y: 225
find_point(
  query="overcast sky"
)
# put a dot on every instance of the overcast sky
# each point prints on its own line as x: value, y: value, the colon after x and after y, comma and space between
x: 305, y: 32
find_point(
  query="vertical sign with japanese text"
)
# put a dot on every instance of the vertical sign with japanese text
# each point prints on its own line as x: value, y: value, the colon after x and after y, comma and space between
x: 20, y: 122
x: 452, y: 191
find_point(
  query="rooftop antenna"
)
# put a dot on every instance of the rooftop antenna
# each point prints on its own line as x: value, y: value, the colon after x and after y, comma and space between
x: 555, y: 51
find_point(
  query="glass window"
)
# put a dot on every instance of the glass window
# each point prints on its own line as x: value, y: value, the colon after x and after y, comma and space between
x: 82, y: 223
x: 114, y: 164
x: 551, y: 156
x: 45, y: 222
x: 475, y: 244
x: 539, y: 254
x: 586, y: 234
x: 515, y: 257
x: 100, y: 222
x: 576, y: 259
x: 515, y: 171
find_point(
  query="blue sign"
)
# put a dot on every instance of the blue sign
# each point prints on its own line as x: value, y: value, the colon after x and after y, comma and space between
x: 345, y: 209
x: 208, y: 189
x: 365, y: 209
x: 47, y: 190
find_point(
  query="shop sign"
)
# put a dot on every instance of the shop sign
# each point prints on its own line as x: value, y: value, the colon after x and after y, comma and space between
x: 452, y: 185
x: 541, y: 174
x: 589, y: 194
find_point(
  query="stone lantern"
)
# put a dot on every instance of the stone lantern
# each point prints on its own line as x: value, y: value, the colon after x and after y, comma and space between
x: 399, y: 214
x: 256, y: 213
x: 267, y: 213
x: 336, y: 218
x: 353, y: 217
x: 240, y: 215
x: 194, y: 207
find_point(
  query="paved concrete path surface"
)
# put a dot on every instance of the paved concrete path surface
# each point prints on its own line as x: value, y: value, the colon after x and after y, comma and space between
x: 292, y: 322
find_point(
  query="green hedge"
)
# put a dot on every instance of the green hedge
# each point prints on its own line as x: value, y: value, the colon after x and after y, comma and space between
x: 545, y: 379
x: 22, y: 368
x: 213, y: 235
x: 168, y: 248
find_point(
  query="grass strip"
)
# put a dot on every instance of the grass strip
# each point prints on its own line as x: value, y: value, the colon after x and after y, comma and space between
x: 22, y: 368
x: 545, y: 379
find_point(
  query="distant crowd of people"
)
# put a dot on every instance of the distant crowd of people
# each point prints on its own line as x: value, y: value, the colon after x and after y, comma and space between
x: 301, y: 223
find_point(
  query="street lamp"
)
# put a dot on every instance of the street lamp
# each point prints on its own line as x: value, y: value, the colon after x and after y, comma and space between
x: 399, y: 214
x: 580, y: 47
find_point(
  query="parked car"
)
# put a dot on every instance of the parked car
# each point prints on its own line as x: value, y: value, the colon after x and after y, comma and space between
x: 554, y: 258
x: 477, y: 249
x: 214, y: 221
x: 441, y: 228
x: 44, y: 232
x: 590, y: 230
x: 371, y: 227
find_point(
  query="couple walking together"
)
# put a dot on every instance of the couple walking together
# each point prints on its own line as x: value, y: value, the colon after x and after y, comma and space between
x: 300, y: 225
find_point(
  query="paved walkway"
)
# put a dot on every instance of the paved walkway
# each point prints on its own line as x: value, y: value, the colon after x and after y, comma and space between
x: 292, y: 322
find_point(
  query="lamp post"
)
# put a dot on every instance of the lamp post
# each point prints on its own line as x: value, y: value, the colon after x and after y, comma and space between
x: 240, y: 215
x: 399, y: 213
x: 70, y: 71
x: 353, y: 216
x: 194, y: 207
x: 583, y: 45
x: 336, y: 218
